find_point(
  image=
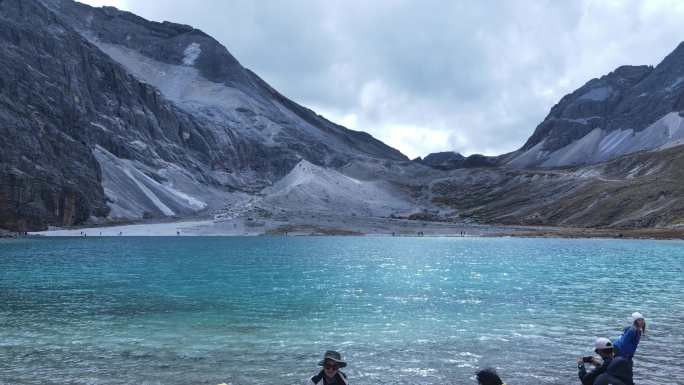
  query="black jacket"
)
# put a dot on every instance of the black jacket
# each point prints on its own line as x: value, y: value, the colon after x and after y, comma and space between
x: 588, y: 378
x: 619, y: 372
x: 319, y: 378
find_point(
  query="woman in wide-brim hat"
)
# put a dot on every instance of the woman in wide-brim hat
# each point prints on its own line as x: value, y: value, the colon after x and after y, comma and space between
x: 332, y: 362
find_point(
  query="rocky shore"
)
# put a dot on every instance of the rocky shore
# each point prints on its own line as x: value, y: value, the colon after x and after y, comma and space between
x: 352, y: 226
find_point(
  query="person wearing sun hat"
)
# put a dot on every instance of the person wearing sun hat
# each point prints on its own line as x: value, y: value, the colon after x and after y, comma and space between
x: 488, y: 377
x: 627, y: 343
x: 604, y: 348
x: 331, y: 374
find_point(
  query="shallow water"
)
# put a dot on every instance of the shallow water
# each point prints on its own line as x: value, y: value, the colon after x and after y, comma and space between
x: 262, y: 310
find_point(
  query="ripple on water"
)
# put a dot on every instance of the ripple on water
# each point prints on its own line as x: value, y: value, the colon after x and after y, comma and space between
x: 238, y: 310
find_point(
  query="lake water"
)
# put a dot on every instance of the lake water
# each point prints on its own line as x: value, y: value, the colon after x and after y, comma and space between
x: 262, y: 310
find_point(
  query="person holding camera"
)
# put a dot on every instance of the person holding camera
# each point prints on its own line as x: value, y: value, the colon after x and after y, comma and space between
x: 604, y: 348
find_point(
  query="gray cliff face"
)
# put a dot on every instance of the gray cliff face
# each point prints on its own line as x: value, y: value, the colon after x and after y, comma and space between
x: 105, y: 116
x: 183, y: 46
x: 48, y: 172
x: 63, y: 103
x: 85, y: 137
x: 617, y: 114
x: 591, y: 106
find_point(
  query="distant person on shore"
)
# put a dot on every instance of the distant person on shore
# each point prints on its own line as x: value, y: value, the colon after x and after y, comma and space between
x: 330, y: 375
x: 627, y: 343
x: 619, y: 372
x: 488, y: 377
x: 604, y: 348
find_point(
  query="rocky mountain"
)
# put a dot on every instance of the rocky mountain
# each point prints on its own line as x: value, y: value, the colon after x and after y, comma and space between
x: 610, y: 154
x: 107, y: 116
x: 634, y: 108
x: 634, y: 191
x: 446, y: 160
x: 450, y: 160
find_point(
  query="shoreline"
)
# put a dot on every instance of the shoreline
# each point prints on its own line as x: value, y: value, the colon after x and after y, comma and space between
x: 350, y: 226
x: 579, y: 233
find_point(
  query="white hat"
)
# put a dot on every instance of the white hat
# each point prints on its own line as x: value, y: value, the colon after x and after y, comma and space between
x: 603, y: 343
x: 636, y: 315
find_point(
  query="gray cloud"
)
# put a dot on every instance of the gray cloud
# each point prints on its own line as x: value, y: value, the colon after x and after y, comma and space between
x: 432, y: 76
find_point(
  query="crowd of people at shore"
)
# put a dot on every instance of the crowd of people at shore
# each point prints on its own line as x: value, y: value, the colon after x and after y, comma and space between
x: 613, y: 366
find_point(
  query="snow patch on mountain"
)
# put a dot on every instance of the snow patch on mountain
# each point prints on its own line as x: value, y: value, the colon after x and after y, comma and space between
x: 597, y: 94
x: 581, y: 120
x: 676, y: 83
x: 139, y: 144
x: 191, y: 53
x: 600, y: 145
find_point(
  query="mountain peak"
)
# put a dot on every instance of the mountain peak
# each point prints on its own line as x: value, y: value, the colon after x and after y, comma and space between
x: 679, y: 51
x: 450, y: 160
x: 608, y: 114
x: 177, y: 116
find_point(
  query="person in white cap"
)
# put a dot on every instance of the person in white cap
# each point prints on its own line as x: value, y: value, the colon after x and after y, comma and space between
x: 604, y: 348
x: 627, y: 343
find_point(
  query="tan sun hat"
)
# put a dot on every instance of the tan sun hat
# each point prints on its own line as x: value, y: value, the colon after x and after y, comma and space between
x: 333, y: 356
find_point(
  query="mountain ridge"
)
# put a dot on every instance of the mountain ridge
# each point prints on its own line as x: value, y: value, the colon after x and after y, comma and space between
x: 609, y: 113
x: 109, y: 117
x: 62, y: 97
x: 214, y: 62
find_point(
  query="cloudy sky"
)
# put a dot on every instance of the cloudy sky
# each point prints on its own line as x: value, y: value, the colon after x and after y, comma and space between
x: 427, y: 76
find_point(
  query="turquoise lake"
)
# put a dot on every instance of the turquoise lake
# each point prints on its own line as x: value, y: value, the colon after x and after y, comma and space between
x: 262, y: 310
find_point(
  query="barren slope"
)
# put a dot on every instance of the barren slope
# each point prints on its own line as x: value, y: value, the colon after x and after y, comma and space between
x: 639, y: 190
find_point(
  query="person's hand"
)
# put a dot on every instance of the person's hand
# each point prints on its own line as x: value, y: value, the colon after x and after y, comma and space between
x: 596, y: 361
x: 579, y: 361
